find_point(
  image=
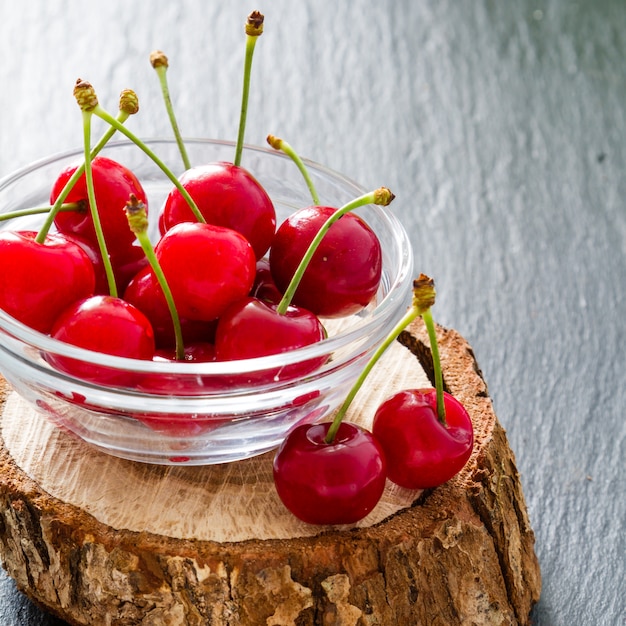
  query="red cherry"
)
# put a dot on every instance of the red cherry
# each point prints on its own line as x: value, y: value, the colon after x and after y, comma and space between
x: 179, y: 426
x: 329, y: 483
x: 226, y: 195
x: 345, y: 271
x: 113, y: 185
x: 422, y: 452
x: 253, y: 328
x: 89, y: 248
x: 123, y: 270
x: 207, y: 268
x: 264, y: 287
x: 38, y: 281
x: 144, y: 292
x: 103, y: 324
x: 197, y: 352
x: 175, y: 424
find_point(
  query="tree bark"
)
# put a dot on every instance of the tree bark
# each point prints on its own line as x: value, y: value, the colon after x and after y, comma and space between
x: 100, y: 540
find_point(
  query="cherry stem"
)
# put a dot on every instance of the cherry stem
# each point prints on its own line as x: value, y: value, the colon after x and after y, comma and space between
x: 282, y: 145
x: 58, y: 203
x: 138, y: 222
x: 434, y: 349
x: 424, y: 295
x: 107, y: 117
x: 381, y: 196
x: 408, y: 317
x: 160, y: 64
x: 423, y: 298
x: 254, y: 29
x: 95, y: 216
x: 68, y: 206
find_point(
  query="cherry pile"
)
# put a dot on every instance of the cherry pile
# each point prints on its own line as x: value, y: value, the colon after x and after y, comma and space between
x: 219, y: 277
x: 223, y: 281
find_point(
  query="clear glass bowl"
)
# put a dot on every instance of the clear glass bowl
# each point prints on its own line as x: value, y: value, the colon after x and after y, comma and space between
x: 229, y: 420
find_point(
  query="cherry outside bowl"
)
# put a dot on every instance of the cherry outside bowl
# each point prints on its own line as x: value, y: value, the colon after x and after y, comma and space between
x: 226, y: 422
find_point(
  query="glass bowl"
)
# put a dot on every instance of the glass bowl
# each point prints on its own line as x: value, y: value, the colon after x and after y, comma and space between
x: 232, y: 417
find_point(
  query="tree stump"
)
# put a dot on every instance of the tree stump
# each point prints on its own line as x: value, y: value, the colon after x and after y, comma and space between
x: 99, y: 540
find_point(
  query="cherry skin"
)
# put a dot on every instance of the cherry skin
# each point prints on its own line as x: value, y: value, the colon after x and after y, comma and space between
x: 345, y: 271
x: 180, y: 383
x: 226, y: 195
x: 207, y: 268
x: 113, y: 185
x: 101, y: 285
x: 174, y: 424
x: 264, y: 287
x: 38, y: 281
x: 144, y: 292
x: 253, y: 328
x: 123, y: 269
x: 196, y: 352
x: 421, y: 452
x: 108, y: 325
x: 329, y: 483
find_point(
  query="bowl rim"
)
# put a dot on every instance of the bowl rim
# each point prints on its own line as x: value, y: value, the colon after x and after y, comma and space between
x: 45, y: 343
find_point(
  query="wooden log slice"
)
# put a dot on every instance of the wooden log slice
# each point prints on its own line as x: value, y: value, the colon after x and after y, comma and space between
x: 100, y: 540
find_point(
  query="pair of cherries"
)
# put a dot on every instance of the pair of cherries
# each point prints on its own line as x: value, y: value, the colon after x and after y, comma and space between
x: 342, y: 481
x: 43, y: 274
x: 336, y: 472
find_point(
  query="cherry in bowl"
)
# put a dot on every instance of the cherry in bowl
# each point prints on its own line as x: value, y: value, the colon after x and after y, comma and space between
x: 227, y: 195
x: 343, y: 274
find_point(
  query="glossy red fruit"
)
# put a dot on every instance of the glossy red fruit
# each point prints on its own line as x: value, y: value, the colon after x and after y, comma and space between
x: 108, y: 325
x: 207, y: 268
x: 421, y: 452
x: 38, y: 281
x: 226, y: 195
x: 123, y: 269
x: 174, y: 424
x: 345, y: 271
x: 179, y: 426
x: 113, y: 185
x: 329, y: 483
x: 253, y: 328
x: 196, y: 352
x: 144, y: 292
x: 264, y: 287
x: 101, y: 285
